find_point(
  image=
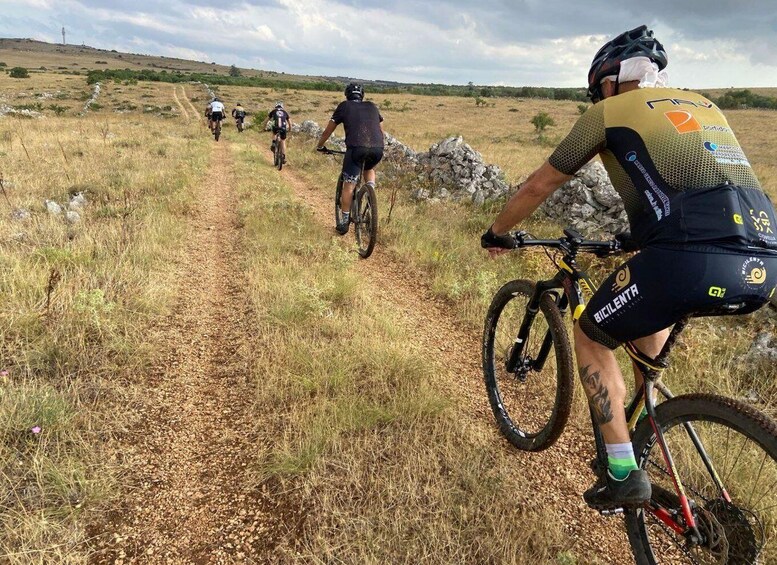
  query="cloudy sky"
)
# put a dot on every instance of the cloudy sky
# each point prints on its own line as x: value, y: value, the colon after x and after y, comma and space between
x: 711, y: 43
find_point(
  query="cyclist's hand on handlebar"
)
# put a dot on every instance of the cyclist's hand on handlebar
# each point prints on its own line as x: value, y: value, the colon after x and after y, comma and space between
x: 497, y: 244
x: 628, y: 243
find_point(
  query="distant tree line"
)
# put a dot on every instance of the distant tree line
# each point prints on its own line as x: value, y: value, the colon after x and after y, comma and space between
x: 728, y: 100
x: 121, y: 75
x: 735, y: 99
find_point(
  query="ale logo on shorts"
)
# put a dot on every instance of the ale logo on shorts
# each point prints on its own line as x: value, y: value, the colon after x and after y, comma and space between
x: 754, y: 272
x: 622, y: 279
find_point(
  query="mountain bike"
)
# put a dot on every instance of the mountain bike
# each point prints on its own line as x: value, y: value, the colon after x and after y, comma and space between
x: 239, y: 123
x: 712, y: 460
x: 278, y: 158
x: 217, y: 129
x: 364, y: 211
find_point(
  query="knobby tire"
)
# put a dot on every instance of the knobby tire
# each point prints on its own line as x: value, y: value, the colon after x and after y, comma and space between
x: 730, y: 430
x: 367, y: 224
x: 512, y: 399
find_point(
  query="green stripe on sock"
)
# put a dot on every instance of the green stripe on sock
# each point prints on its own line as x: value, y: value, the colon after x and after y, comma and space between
x: 620, y: 467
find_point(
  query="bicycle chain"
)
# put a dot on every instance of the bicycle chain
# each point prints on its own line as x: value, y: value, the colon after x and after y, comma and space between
x: 672, y: 536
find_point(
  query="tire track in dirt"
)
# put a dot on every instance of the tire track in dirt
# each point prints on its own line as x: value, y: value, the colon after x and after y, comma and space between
x: 188, y: 496
x: 181, y: 107
x: 188, y: 101
x: 555, y: 478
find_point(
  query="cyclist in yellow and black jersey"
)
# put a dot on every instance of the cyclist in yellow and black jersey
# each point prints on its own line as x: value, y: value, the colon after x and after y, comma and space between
x: 705, y: 229
x: 671, y: 154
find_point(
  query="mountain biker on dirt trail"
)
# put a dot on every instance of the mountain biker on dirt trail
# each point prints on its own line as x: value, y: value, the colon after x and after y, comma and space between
x: 696, y: 210
x: 281, y: 125
x: 216, y: 112
x: 238, y: 112
x: 208, y: 112
x: 363, y: 140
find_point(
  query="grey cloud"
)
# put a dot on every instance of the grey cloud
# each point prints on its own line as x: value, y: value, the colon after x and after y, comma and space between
x: 404, y: 40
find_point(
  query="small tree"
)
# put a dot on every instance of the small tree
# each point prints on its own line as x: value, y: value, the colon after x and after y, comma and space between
x: 19, y: 72
x: 480, y: 101
x: 234, y: 71
x: 541, y: 121
x: 582, y: 108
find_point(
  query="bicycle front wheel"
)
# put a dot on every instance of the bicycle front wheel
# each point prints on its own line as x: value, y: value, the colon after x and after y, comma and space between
x: 725, y: 454
x: 531, y: 401
x: 366, y: 220
x: 338, y: 195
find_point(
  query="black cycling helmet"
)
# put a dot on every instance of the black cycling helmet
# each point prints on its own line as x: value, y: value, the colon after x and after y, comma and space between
x: 354, y: 91
x: 639, y: 42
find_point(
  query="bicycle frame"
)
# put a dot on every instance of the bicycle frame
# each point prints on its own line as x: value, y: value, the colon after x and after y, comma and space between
x: 357, y: 189
x: 572, y: 287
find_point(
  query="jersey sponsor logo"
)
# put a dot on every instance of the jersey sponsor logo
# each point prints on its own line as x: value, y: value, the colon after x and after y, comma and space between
x: 683, y: 121
x: 622, y: 279
x: 762, y: 223
x: 717, y: 292
x: 678, y: 102
x: 665, y: 208
x: 738, y: 219
x: 754, y: 272
x: 716, y: 128
x: 727, y: 154
x: 625, y: 298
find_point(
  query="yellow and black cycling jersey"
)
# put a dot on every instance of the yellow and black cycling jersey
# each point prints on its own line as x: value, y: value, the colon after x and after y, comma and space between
x: 677, y: 165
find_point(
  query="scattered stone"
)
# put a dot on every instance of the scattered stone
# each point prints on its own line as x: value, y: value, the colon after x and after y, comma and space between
x: 764, y: 347
x: 20, y: 214
x: 72, y: 217
x: 5, y: 109
x: 588, y: 203
x: 92, y: 98
x: 77, y: 201
x: 455, y: 171
x: 53, y: 207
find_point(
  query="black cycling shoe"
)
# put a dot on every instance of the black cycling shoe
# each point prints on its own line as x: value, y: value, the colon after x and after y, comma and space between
x: 342, y: 229
x: 608, y: 493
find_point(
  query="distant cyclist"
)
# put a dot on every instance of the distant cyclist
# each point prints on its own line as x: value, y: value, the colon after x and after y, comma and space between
x: 217, y: 111
x: 208, y: 110
x: 706, y: 231
x: 281, y: 125
x: 239, y: 113
x: 363, y: 140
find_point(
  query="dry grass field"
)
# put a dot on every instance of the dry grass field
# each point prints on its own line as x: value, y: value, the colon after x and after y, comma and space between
x: 366, y: 437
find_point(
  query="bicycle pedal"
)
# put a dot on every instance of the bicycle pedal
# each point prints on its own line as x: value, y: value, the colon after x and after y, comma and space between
x: 611, y: 512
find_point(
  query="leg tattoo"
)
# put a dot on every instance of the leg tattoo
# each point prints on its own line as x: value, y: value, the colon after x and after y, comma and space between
x: 600, y: 398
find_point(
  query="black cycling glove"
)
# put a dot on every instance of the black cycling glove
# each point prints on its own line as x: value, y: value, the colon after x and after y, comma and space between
x: 628, y: 243
x: 490, y: 239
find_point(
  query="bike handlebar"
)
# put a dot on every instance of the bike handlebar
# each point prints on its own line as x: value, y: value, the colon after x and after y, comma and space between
x: 327, y: 151
x: 574, y: 241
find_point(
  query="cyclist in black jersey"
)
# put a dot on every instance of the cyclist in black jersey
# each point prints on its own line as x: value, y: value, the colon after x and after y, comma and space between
x: 704, y: 227
x: 363, y: 140
x: 281, y: 126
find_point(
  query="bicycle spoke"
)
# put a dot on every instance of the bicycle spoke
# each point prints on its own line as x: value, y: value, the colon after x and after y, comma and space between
x: 732, y: 532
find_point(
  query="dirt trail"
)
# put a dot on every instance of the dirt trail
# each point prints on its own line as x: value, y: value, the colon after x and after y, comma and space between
x: 554, y: 478
x: 191, y: 106
x: 184, y: 113
x: 190, y: 499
